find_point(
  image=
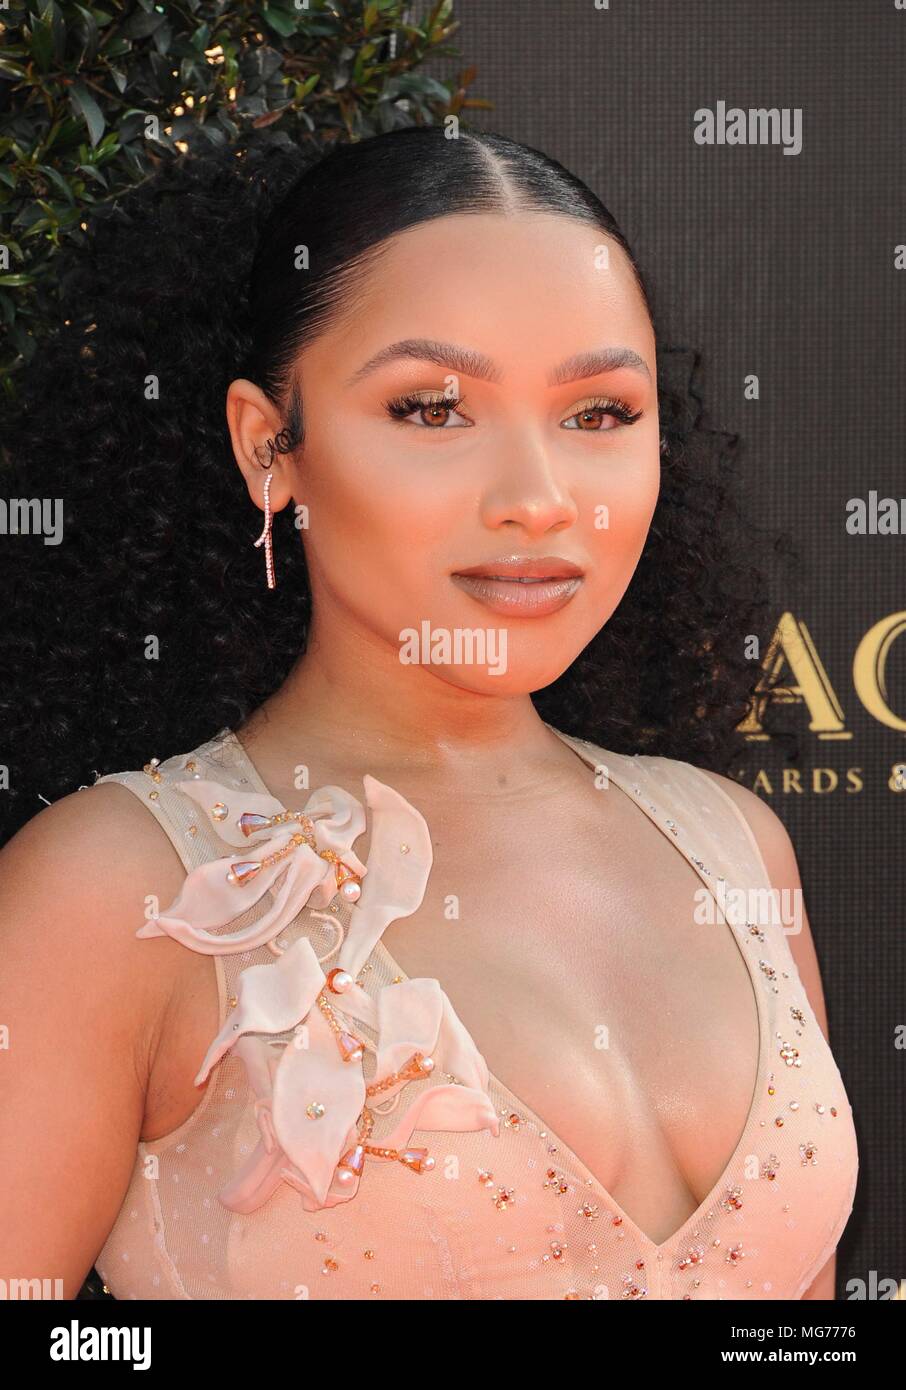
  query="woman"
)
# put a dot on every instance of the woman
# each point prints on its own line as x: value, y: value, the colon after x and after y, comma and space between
x: 464, y: 1033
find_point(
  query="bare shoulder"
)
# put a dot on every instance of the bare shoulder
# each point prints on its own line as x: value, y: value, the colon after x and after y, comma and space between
x: 101, y: 844
x: 73, y: 886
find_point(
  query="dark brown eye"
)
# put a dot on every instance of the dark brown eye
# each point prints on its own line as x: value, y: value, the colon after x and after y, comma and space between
x: 431, y: 414
x: 589, y: 418
x: 435, y: 414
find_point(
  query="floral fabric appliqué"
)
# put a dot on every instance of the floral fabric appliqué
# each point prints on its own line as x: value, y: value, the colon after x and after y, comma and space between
x: 312, y: 1103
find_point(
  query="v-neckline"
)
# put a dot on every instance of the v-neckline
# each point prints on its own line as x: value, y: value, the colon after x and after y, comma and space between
x: 519, y: 1106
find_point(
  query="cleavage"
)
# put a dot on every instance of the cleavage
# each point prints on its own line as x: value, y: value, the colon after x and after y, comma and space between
x: 595, y: 998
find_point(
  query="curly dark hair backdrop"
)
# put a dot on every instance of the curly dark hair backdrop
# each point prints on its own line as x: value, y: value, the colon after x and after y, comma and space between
x: 158, y: 527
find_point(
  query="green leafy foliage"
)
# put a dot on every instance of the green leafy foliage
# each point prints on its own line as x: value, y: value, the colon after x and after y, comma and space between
x: 93, y: 98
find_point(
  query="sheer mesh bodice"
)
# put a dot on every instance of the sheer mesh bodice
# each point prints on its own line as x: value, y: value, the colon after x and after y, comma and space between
x: 508, y: 1211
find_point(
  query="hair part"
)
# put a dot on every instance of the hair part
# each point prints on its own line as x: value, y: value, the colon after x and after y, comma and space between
x: 150, y: 627
x: 341, y: 213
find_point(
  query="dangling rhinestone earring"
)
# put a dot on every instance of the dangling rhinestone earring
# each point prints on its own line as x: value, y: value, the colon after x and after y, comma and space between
x: 266, y: 538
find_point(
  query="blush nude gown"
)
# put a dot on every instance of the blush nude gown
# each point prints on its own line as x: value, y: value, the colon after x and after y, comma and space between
x: 271, y: 1189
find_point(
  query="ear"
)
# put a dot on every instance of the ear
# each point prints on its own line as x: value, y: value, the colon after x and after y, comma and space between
x: 253, y: 419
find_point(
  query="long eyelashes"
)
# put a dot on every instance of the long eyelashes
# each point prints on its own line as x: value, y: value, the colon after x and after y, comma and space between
x: 400, y: 407
x: 608, y: 405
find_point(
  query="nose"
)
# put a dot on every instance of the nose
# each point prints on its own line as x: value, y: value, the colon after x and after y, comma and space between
x: 526, y: 492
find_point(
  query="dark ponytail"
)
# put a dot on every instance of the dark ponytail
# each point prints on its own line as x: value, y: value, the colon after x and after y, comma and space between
x: 149, y: 627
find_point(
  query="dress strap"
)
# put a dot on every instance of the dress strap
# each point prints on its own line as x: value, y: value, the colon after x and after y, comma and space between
x: 685, y: 801
x: 188, y: 830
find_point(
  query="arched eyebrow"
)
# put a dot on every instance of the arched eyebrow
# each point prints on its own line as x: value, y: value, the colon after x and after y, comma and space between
x: 468, y: 362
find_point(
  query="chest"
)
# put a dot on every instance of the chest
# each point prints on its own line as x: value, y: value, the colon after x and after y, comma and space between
x: 567, y: 935
x: 575, y: 954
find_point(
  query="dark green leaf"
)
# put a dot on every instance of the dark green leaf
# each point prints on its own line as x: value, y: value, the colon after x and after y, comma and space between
x: 163, y: 38
x: 91, y: 172
x: 140, y: 24
x: 57, y: 30
x: 42, y: 41
x: 90, y: 35
x: 84, y: 104
x: 281, y: 22
x: 58, y: 180
x: 200, y: 40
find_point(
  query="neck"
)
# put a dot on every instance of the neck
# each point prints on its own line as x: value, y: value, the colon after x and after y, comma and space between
x: 350, y: 700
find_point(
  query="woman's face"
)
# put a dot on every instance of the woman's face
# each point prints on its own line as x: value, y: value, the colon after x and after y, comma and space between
x: 529, y: 457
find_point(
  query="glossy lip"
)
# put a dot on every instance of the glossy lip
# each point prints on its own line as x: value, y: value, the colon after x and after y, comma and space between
x: 521, y: 585
x: 525, y: 567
